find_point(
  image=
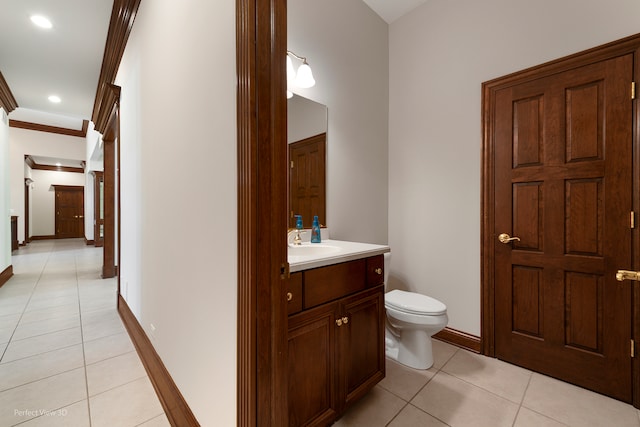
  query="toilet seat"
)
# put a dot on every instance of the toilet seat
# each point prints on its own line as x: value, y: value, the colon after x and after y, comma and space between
x: 414, y: 303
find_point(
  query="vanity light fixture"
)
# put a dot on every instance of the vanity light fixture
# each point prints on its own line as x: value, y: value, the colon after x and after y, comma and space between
x: 303, y: 77
x: 41, y: 21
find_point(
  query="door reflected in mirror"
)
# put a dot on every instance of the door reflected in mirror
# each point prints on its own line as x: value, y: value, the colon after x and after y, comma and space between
x: 307, y: 138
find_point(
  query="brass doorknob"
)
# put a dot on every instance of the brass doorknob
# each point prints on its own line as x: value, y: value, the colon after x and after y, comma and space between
x: 505, y: 238
x: 627, y: 275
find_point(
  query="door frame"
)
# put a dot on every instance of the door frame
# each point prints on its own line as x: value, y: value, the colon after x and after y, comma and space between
x: 63, y: 188
x: 488, y: 237
x: 98, y: 206
x: 261, y: 44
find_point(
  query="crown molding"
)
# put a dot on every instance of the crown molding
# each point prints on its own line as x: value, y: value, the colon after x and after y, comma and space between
x: 33, y: 165
x: 122, y: 16
x: 7, y: 101
x: 51, y: 129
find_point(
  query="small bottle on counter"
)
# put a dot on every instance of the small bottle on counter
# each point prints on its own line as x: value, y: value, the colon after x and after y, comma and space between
x: 315, y: 231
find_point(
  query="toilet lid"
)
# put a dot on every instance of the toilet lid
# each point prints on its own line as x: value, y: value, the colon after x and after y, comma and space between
x: 414, y: 303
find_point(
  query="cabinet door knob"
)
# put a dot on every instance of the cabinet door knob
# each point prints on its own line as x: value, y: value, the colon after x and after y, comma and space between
x: 378, y: 270
x: 289, y: 296
x: 345, y: 320
x: 339, y: 322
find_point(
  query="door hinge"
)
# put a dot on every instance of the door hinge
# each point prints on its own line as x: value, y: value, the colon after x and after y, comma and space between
x: 633, y: 90
x: 633, y: 348
x: 632, y: 219
x: 291, y: 164
x: 284, y: 271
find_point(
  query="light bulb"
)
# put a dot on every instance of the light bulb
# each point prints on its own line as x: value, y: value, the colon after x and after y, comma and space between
x: 304, y: 79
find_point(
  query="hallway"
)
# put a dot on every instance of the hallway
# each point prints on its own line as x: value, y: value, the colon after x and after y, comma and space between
x: 65, y: 356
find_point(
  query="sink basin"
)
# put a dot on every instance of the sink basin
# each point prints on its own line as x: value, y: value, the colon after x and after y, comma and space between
x: 312, y: 249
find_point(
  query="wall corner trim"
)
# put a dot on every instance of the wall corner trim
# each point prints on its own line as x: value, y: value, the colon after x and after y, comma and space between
x: 175, y: 407
x: 6, y: 275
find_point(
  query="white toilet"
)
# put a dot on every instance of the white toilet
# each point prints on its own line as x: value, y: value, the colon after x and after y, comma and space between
x: 412, y: 319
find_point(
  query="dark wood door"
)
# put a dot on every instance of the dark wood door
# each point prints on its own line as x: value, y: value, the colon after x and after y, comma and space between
x: 307, y: 180
x: 563, y: 186
x: 69, y: 211
x: 362, y: 344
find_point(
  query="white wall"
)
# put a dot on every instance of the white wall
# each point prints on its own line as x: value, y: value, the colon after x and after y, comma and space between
x: 43, y: 216
x: 24, y: 141
x: 439, y: 56
x: 179, y: 185
x: 5, y: 214
x: 346, y: 45
x: 94, y: 163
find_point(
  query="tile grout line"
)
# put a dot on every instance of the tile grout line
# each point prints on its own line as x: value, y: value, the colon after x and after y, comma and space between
x: 84, y: 354
x: 4, y: 352
x: 522, y: 399
x: 408, y: 403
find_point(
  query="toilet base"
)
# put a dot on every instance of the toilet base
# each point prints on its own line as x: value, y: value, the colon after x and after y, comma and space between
x: 414, y: 350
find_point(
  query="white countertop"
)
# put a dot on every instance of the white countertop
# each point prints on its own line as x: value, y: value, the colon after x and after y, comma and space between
x: 347, y: 251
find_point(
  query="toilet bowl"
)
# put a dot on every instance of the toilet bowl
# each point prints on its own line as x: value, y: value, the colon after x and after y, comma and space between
x: 412, y: 319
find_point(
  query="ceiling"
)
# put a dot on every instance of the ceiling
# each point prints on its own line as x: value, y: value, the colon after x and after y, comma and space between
x: 66, y: 59
x: 390, y: 10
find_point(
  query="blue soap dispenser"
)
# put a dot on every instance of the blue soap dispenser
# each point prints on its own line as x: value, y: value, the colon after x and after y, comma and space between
x: 315, y: 231
x: 299, y: 222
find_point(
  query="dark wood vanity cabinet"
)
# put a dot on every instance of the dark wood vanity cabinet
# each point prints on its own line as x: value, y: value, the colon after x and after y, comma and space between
x: 336, y: 342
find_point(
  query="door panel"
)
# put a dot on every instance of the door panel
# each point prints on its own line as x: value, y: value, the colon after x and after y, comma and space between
x: 307, y: 180
x: 69, y: 208
x: 563, y: 185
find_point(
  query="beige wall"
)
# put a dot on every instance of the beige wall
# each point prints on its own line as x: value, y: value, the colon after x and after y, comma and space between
x: 24, y: 141
x: 178, y: 172
x: 346, y: 45
x: 439, y: 56
x: 43, y: 217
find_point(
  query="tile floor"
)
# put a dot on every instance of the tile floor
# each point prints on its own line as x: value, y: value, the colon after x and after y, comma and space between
x: 66, y: 360
x: 464, y: 389
x: 65, y: 357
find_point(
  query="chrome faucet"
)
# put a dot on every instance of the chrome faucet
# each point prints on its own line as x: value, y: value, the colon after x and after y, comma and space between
x: 297, y: 240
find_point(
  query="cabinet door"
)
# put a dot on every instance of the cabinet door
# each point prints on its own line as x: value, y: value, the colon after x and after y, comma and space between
x: 312, y: 370
x: 361, y: 341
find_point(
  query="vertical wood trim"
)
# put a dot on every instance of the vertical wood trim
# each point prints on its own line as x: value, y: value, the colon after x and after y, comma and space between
x: 6, y: 275
x: 175, y: 407
x: 110, y: 136
x: 262, y: 220
x: 635, y: 233
x: 247, y: 281
x: 27, y: 191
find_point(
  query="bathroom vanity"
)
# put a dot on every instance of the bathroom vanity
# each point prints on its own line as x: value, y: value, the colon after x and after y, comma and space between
x: 336, y: 328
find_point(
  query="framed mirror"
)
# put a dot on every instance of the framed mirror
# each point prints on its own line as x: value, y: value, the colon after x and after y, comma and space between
x: 307, y: 138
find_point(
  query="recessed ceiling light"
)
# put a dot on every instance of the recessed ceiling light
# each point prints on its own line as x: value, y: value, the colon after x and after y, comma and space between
x: 55, y: 99
x: 58, y: 164
x: 41, y: 21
